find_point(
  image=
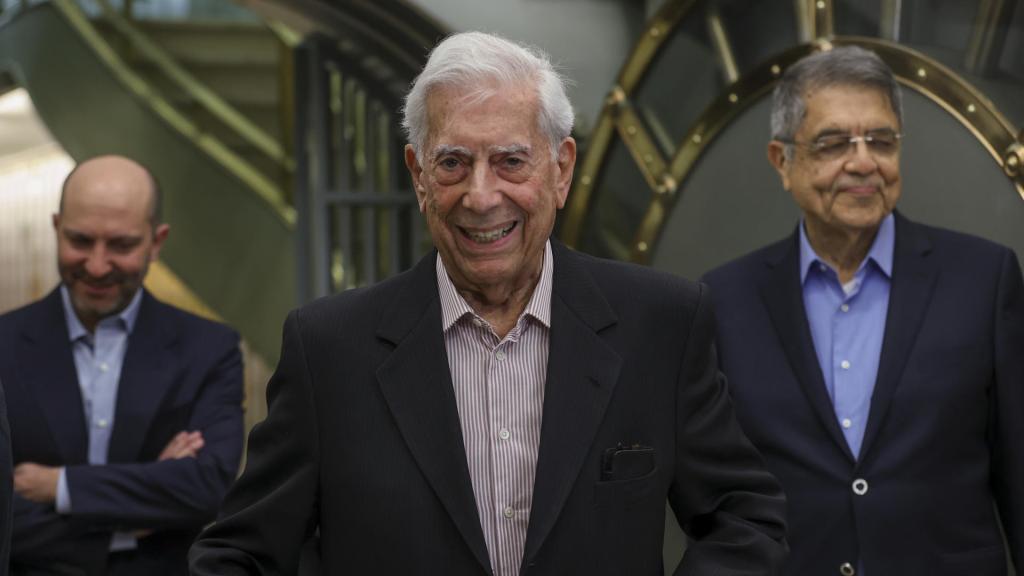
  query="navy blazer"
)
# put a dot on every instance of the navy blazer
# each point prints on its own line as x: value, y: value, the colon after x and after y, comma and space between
x: 943, y: 451
x: 180, y: 372
x: 362, y: 440
x: 6, y: 485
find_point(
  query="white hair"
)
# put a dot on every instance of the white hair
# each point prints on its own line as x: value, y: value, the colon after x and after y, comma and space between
x: 484, y: 63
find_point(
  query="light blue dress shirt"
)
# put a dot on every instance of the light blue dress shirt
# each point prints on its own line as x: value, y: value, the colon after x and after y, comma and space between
x: 98, y: 360
x: 847, y: 324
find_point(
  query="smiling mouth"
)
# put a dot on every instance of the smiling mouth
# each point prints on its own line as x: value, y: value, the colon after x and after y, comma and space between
x: 488, y: 236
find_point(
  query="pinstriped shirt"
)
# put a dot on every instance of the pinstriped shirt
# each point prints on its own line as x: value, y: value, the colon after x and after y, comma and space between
x: 499, y: 390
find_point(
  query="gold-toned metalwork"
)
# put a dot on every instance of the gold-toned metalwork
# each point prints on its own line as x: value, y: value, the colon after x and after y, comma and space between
x: 987, y: 24
x: 212, y: 146
x: 658, y: 31
x: 589, y: 172
x: 723, y: 47
x: 889, y: 20
x: 196, y: 90
x: 911, y: 68
x: 824, y: 20
x: 950, y: 91
x: 813, y: 19
x: 640, y: 144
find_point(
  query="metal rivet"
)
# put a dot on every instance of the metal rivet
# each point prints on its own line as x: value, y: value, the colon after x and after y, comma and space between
x: 922, y: 73
x: 642, y: 246
x: 585, y: 180
x: 648, y: 158
x: 820, y: 5
x: 733, y: 98
x: 776, y: 70
x: 971, y: 108
x: 655, y: 31
x: 631, y: 130
x: 696, y: 138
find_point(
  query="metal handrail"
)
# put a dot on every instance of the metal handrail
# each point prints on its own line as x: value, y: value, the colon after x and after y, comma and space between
x: 217, y: 150
x: 198, y: 91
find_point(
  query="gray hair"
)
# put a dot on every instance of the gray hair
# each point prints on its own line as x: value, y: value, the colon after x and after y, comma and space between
x: 479, y: 61
x: 843, y: 66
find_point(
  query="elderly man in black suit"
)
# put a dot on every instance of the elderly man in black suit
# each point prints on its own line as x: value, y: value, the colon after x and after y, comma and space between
x: 507, y: 406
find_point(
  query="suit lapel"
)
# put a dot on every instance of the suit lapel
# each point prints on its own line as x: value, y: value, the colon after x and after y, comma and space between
x: 783, y: 298
x: 52, y: 376
x: 146, y: 376
x: 913, y: 280
x: 416, y: 384
x: 582, y: 371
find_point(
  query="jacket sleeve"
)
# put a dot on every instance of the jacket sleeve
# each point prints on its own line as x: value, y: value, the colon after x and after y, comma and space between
x: 1007, y: 427
x: 271, y: 510
x: 181, y: 493
x: 729, y: 505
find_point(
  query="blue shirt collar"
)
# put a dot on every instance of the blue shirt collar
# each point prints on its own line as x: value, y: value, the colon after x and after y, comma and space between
x: 77, y: 331
x: 880, y: 253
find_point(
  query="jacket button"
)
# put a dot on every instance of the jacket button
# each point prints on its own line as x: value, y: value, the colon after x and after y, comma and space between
x: 860, y: 486
x: 846, y: 569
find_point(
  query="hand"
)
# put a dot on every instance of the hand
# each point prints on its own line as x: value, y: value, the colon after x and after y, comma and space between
x: 36, y: 482
x: 183, y: 445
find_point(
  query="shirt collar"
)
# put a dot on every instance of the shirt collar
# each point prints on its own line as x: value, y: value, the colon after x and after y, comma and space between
x: 454, y: 307
x: 76, y: 330
x: 880, y: 253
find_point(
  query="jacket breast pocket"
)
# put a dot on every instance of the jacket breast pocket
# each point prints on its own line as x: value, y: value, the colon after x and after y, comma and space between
x: 617, y: 493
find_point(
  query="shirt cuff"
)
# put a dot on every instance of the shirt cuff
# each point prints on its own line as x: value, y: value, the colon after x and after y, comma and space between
x: 122, y: 541
x: 63, y: 503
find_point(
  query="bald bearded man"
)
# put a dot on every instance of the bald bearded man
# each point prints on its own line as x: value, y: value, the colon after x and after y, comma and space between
x: 125, y: 413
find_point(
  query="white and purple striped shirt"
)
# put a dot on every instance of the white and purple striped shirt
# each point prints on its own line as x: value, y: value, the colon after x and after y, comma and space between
x: 499, y: 390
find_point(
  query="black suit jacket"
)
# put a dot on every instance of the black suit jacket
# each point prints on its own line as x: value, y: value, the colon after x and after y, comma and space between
x: 180, y: 372
x: 945, y: 434
x: 363, y: 440
x: 6, y: 485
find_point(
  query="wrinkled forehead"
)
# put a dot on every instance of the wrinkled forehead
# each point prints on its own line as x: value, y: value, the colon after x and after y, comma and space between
x: 848, y: 106
x: 508, y: 116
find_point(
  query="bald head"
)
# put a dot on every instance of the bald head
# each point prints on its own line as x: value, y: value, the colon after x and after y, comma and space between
x: 108, y: 232
x: 117, y: 179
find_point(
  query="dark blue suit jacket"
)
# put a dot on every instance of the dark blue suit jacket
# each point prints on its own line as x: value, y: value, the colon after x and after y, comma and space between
x: 363, y: 441
x: 943, y: 453
x: 6, y: 485
x: 180, y: 372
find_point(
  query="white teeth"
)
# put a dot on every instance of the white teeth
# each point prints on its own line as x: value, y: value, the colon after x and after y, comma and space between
x: 488, y: 237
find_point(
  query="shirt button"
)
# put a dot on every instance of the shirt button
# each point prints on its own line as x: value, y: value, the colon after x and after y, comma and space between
x: 504, y: 434
x: 845, y: 364
x: 860, y: 486
x: 104, y: 367
x: 822, y: 267
x: 102, y: 423
x: 499, y: 355
x: 509, y: 512
x: 846, y: 569
x: 847, y: 423
x: 478, y: 322
x: 845, y: 307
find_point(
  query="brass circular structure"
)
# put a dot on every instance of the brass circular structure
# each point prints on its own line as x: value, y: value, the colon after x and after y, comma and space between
x: 665, y: 167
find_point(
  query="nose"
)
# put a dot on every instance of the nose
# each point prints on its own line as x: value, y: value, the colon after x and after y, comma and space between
x: 861, y: 161
x: 96, y: 264
x: 484, y: 193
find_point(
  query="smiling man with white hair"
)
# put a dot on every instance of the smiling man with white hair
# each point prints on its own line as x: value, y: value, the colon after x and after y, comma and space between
x: 507, y: 406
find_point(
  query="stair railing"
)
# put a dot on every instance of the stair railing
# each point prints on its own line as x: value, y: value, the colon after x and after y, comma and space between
x: 196, y: 90
x: 270, y: 191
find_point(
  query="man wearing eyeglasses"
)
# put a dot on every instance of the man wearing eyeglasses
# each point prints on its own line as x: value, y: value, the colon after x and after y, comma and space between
x: 876, y: 362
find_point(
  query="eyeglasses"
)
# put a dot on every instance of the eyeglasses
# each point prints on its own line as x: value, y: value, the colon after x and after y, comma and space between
x: 880, y: 144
